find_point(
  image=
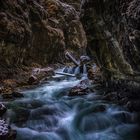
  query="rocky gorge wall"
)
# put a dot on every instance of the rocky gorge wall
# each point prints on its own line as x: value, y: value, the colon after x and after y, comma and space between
x: 113, y: 32
x: 38, y: 31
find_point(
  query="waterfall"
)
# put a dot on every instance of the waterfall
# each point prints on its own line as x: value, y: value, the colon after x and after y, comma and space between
x: 84, y: 69
x: 65, y: 69
x: 77, y: 70
x: 70, y: 70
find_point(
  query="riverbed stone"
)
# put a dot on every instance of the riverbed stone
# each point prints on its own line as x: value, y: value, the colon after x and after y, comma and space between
x: 6, y: 133
x: 133, y: 105
x: 4, y: 130
x: 80, y: 89
x: 32, y: 79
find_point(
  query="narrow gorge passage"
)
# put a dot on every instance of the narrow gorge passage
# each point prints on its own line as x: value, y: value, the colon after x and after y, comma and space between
x: 53, y: 115
x: 69, y: 69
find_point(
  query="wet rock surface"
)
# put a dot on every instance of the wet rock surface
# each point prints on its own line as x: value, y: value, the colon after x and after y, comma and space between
x: 39, y: 73
x: 123, y: 93
x: 3, y: 129
x: 112, y: 29
x: 6, y: 133
x: 32, y: 79
x: 81, y: 89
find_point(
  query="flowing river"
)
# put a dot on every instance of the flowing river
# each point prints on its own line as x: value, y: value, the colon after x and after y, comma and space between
x: 47, y: 113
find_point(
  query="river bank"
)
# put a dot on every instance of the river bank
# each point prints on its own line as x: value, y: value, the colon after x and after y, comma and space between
x: 16, y: 78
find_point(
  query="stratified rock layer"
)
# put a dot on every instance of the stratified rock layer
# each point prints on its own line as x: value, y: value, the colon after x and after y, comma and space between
x: 38, y: 31
x: 113, y: 33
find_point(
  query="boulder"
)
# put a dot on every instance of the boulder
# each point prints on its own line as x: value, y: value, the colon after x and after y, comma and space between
x: 84, y: 59
x: 45, y: 71
x: 40, y: 73
x: 133, y: 105
x: 76, y: 91
x: 49, y: 71
x: 4, y: 130
x: 32, y: 79
x: 6, y: 133
x: 80, y: 89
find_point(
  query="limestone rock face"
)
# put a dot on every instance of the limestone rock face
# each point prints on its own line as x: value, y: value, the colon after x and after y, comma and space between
x: 75, y: 3
x: 38, y: 31
x: 113, y: 33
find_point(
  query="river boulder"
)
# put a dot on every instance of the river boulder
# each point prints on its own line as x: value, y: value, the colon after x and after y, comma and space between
x: 81, y: 89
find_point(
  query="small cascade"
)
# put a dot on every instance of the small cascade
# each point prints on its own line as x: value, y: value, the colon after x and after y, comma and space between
x: 77, y: 70
x: 84, y: 69
x: 65, y: 69
x: 80, y: 65
x: 70, y: 70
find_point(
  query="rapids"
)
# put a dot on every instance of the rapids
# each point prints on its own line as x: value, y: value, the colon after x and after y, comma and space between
x: 53, y: 115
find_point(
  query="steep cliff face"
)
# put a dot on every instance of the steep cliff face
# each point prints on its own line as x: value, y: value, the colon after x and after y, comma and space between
x: 75, y: 3
x: 113, y: 32
x: 38, y: 31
